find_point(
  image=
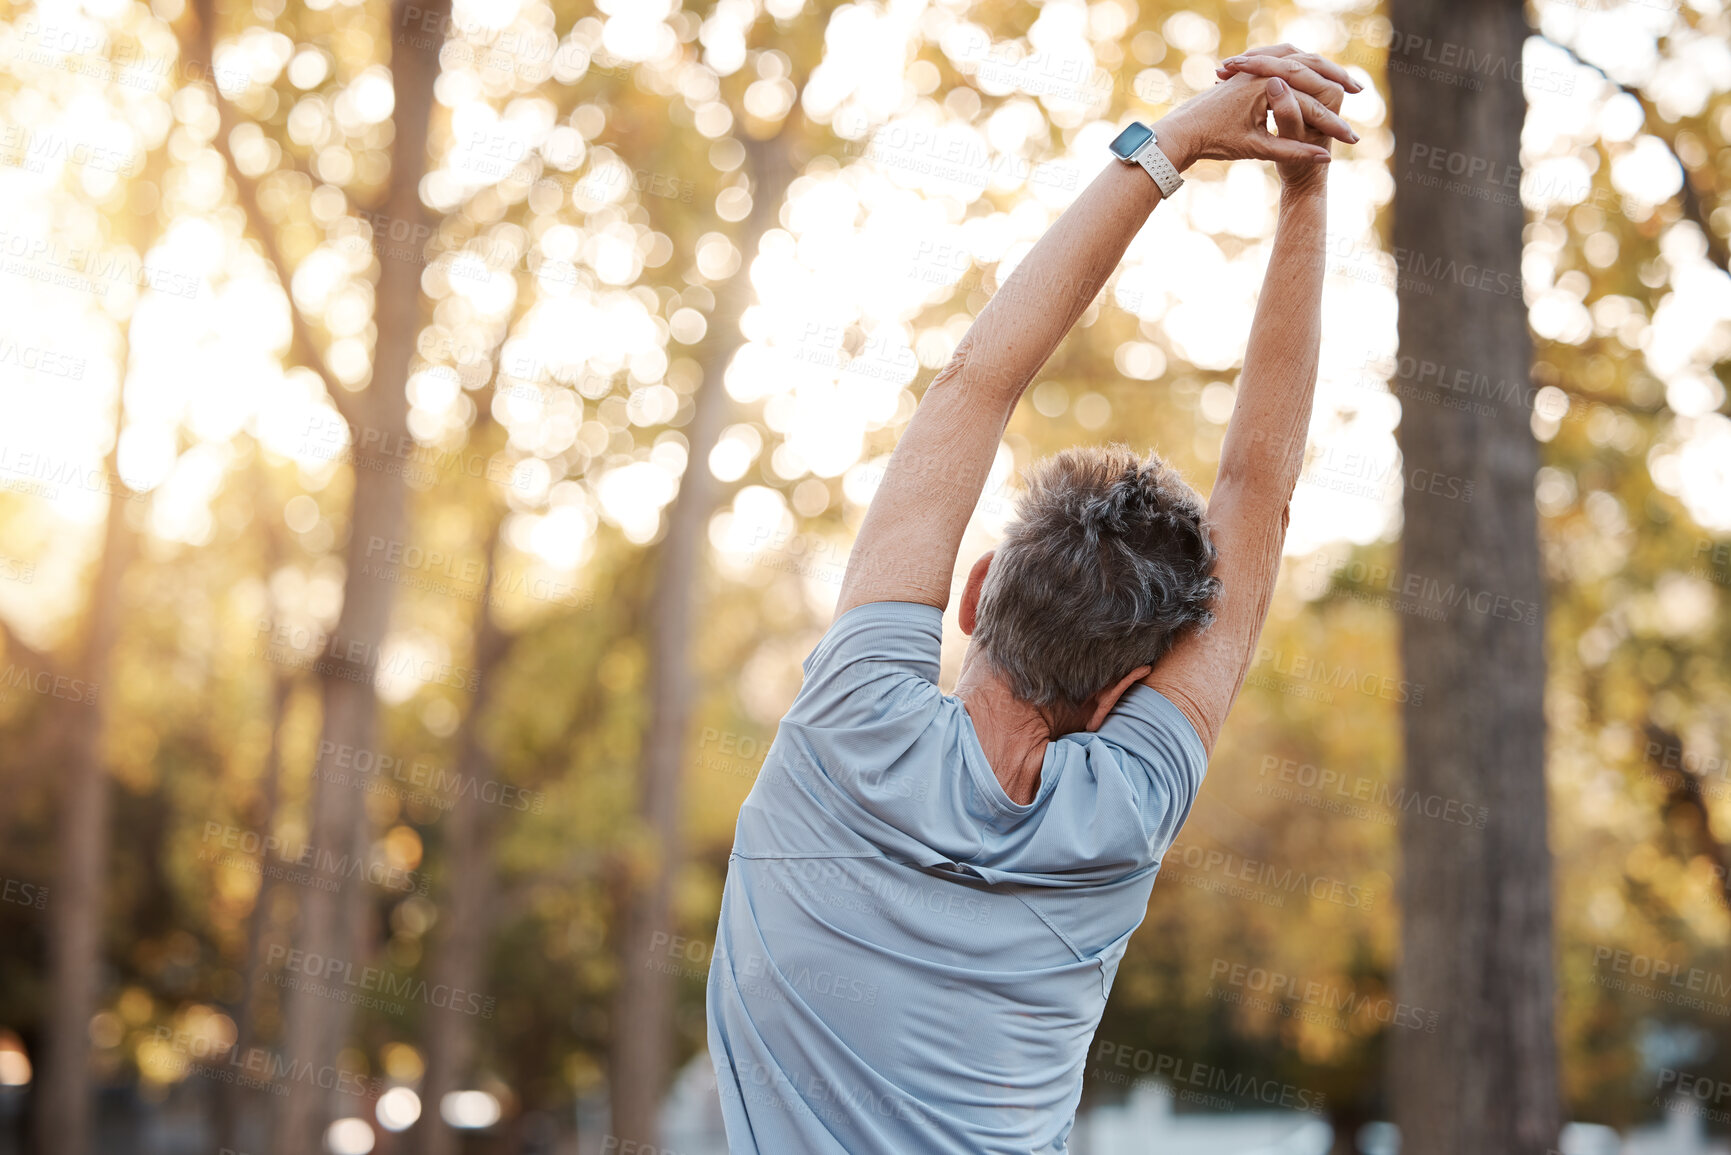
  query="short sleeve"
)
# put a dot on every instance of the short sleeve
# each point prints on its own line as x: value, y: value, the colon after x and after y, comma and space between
x: 863, y: 757
x: 1161, y: 755
x: 871, y: 655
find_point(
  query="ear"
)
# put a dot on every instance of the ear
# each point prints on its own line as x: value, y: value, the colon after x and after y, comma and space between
x: 971, y: 594
x: 1109, y: 697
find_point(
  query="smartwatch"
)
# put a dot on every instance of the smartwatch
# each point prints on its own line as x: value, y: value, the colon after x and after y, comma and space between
x: 1136, y: 145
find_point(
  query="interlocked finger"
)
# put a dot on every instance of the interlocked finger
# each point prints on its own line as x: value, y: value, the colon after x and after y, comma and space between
x: 1290, y: 144
x: 1324, y: 119
x: 1292, y: 70
x: 1321, y: 65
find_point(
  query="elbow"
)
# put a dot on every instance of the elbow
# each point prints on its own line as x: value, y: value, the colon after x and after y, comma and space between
x: 978, y: 378
x: 966, y: 368
x: 1269, y: 492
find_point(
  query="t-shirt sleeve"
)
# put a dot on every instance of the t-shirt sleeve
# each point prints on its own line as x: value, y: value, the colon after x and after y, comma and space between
x: 1162, y: 758
x: 863, y: 747
x: 872, y: 656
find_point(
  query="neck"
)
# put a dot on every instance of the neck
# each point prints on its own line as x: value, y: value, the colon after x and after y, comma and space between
x: 1013, y: 733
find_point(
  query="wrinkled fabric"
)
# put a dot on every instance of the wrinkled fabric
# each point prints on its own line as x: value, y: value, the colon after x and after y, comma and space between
x: 906, y: 959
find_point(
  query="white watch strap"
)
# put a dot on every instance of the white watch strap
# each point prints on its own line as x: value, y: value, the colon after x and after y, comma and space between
x: 1159, y: 167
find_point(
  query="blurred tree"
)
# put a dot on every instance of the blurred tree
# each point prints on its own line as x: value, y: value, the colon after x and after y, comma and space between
x: 459, y: 958
x: 232, y: 1097
x: 328, y: 922
x: 75, y: 936
x: 643, y: 1037
x: 611, y: 244
x: 72, y: 733
x: 1476, y: 912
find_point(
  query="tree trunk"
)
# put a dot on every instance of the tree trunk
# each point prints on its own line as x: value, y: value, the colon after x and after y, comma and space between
x: 642, y: 1016
x: 467, y: 921
x: 1476, y: 904
x: 76, y: 902
x: 329, y: 923
x: 232, y: 1098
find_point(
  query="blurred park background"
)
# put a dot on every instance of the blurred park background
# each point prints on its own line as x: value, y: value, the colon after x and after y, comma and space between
x: 431, y: 439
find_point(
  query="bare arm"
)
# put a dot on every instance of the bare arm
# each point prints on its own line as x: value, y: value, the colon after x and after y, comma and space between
x: 1259, y: 465
x: 1263, y: 451
x: 906, y: 549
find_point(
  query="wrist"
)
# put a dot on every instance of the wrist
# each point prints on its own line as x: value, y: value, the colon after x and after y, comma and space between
x: 1173, y: 138
x: 1312, y: 187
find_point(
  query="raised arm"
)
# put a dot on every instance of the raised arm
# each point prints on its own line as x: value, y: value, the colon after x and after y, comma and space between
x: 1264, y: 447
x: 906, y: 549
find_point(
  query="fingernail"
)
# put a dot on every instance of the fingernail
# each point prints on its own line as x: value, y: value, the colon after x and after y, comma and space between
x: 1354, y: 137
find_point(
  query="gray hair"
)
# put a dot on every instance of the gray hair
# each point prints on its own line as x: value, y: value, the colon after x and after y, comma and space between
x: 1107, y: 562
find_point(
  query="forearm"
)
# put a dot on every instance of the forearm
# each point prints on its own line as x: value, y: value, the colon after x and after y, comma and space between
x: 1032, y: 311
x: 1264, y: 447
x: 1259, y: 464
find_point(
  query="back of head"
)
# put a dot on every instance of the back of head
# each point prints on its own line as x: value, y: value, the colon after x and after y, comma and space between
x: 1106, y: 564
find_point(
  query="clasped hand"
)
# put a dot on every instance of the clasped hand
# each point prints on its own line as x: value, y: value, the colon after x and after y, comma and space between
x: 1230, y: 121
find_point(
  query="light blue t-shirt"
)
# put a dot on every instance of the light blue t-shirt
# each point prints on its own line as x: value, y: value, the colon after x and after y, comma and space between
x: 908, y: 961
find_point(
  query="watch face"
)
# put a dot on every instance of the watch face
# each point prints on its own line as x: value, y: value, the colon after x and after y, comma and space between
x: 1131, y: 139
